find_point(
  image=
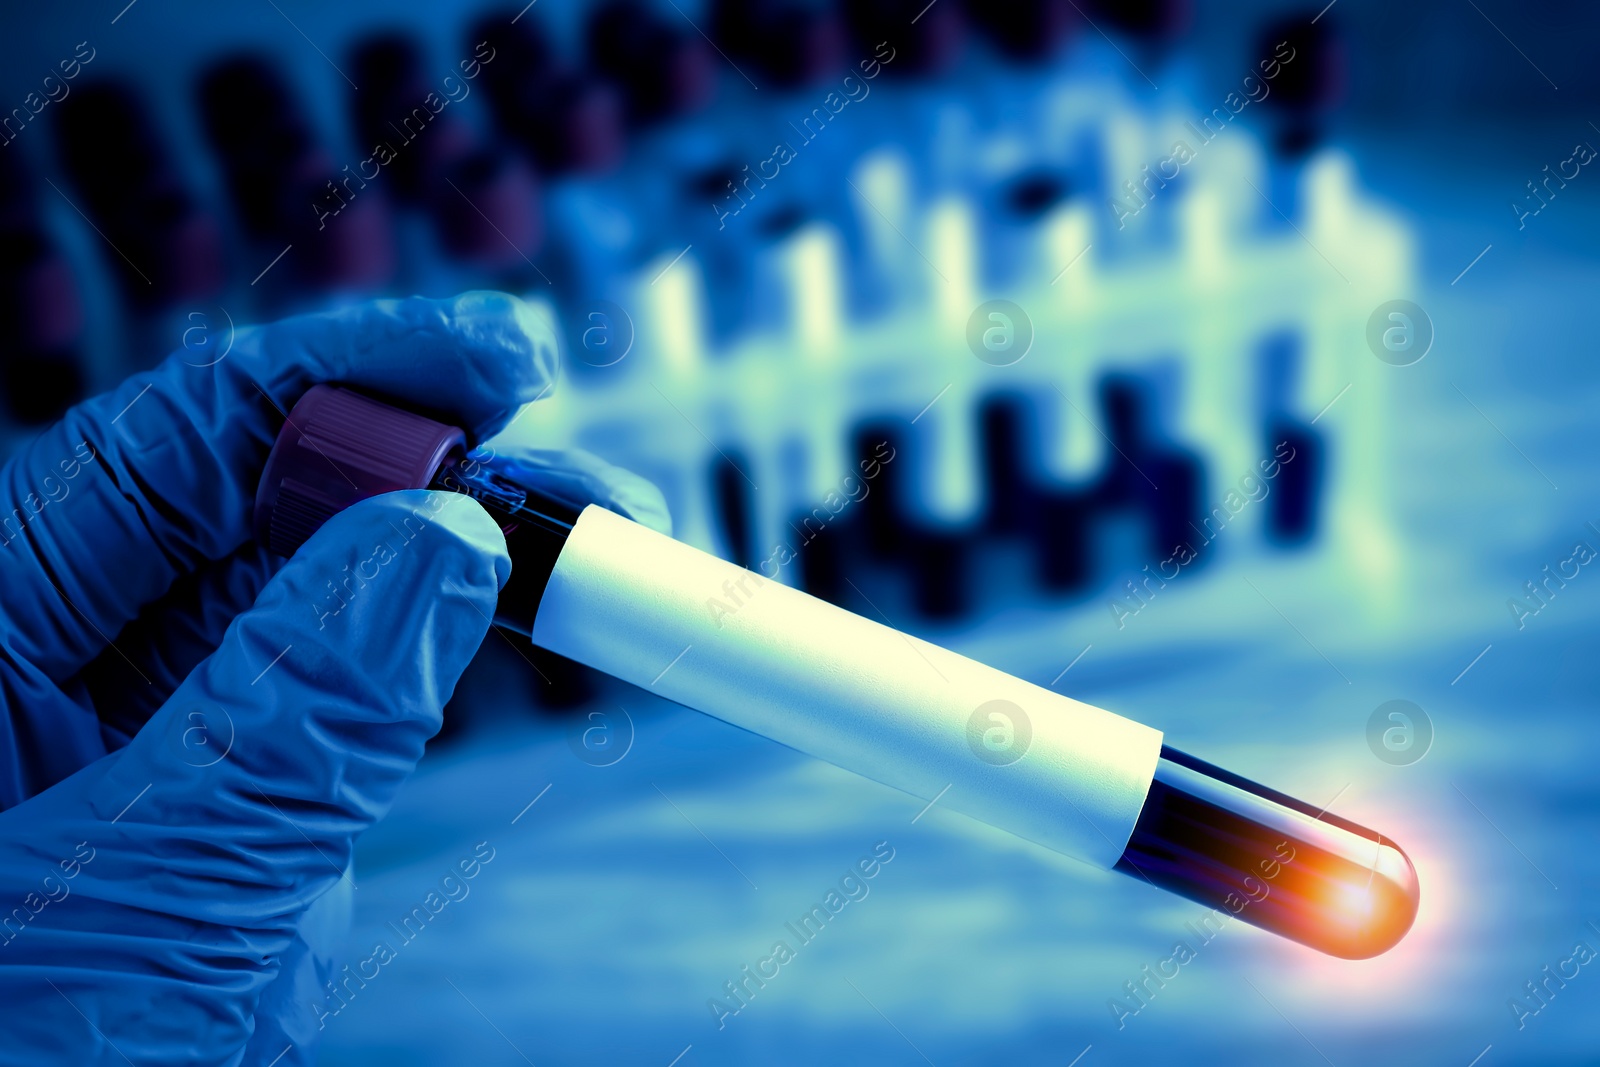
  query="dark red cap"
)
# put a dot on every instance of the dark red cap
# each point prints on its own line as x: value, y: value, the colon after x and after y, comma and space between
x: 339, y: 447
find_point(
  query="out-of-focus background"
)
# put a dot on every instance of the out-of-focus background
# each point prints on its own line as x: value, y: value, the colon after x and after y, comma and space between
x: 1086, y: 272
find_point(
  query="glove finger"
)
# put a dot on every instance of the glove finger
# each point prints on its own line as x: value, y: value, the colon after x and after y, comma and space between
x: 169, y: 639
x: 68, y: 726
x: 204, y: 866
x: 131, y: 489
x: 580, y: 477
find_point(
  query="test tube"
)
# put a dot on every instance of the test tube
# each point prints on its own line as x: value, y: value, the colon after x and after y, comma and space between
x: 607, y: 592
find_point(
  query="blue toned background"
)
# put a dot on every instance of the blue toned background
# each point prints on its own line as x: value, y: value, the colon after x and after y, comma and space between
x: 744, y: 344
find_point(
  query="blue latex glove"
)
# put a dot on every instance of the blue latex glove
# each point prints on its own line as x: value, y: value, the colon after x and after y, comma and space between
x: 186, y: 759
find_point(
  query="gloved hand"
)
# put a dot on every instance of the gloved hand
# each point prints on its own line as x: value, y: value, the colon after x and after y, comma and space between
x: 186, y: 758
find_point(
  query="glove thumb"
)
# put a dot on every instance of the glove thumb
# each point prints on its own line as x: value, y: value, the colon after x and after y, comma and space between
x: 239, y: 803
